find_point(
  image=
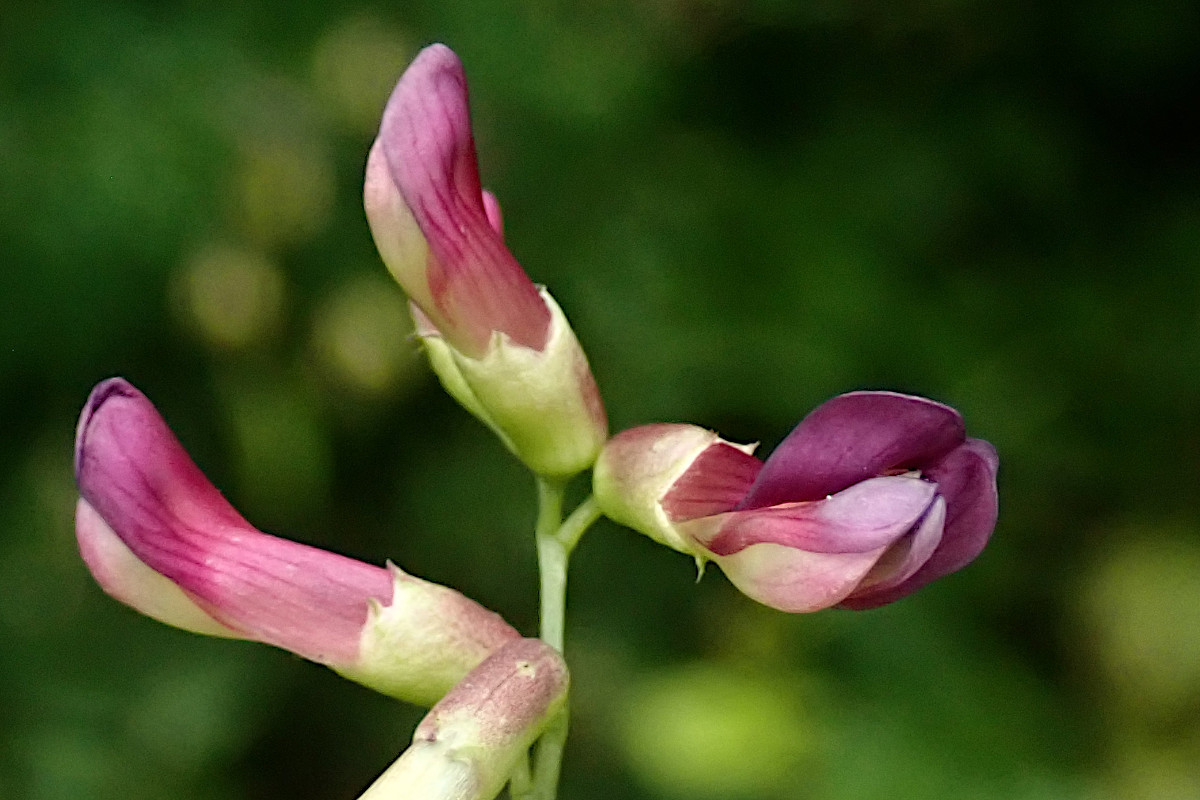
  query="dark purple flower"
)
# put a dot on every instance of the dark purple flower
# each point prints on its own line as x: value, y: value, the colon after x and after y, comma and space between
x: 873, y: 495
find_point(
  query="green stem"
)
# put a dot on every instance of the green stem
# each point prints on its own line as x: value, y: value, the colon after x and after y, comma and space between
x: 556, y: 539
x: 582, y: 518
x: 552, y: 562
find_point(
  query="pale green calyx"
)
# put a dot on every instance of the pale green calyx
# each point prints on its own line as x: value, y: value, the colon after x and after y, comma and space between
x: 423, y: 643
x: 542, y: 404
x: 636, y: 470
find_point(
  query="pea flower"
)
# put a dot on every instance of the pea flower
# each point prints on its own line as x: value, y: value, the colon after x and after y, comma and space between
x: 500, y: 345
x: 469, y: 743
x: 872, y: 496
x: 159, y: 537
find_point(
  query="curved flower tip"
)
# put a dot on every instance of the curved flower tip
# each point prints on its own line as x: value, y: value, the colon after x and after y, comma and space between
x: 436, y: 230
x: 499, y: 344
x: 468, y: 745
x: 872, y: 496
x: 158, y: 536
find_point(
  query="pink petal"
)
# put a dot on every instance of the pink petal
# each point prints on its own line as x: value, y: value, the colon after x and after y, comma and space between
x: 716, y: 482
x: 870, y: 515
x: 135, y: 476
x: 794, y: 580
x: 474, y: 284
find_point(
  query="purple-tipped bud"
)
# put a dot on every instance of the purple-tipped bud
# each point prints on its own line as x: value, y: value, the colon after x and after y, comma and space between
x: 500, y: 346
x: 430, y: 218
x: 872, y: 496
x: 468, y: 745
x: 158, y: 536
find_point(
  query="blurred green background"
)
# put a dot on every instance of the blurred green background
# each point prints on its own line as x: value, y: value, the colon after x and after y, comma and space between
x: 745, y: 207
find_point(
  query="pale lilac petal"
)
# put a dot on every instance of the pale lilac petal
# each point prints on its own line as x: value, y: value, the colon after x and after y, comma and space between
x: 902, y: 560
x: 476, y: 285
x: 967, y: 479
x: 135, y: 475
x: 853, y: 437
x: 870, y: 515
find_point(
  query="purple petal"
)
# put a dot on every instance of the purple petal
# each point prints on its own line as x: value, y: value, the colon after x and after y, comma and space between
x: 870, y: 515
x: 476, y: 285
x: 135, y: 476
x: 853, y: 437
x: 966, y: 479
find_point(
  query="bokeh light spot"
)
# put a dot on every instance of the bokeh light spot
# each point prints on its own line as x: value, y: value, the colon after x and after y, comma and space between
x: 285, y: 190
x: 355, y: 65
x: 1141, y: 609
x: 362, y: 335
x: 283, y: 458
x: 233, y: 297
x: 712, y: 731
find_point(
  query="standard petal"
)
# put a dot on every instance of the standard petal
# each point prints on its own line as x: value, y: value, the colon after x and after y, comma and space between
x: 139, y: 481
x: 853, y: 437
x: 869, y: 516
x: 475, y: 285
x: 967, y: 480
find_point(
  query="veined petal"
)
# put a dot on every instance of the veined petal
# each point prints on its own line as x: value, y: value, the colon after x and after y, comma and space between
x: 469, y: 743
x: 851, y: 438
x: 869, y: 516
x: 715, y: 482
x: 398, y: 238
x: 125, y: 578
x: 652, y: 476
x: 472, y: 285
x: 138, y: 479
x: 159, y: 537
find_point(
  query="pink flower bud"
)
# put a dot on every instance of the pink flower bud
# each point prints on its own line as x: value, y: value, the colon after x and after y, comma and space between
x: 500, y: 345
x: 872, y: 496
x: 469, y: 743
x: 159, y: 537
x: 430, y: 219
